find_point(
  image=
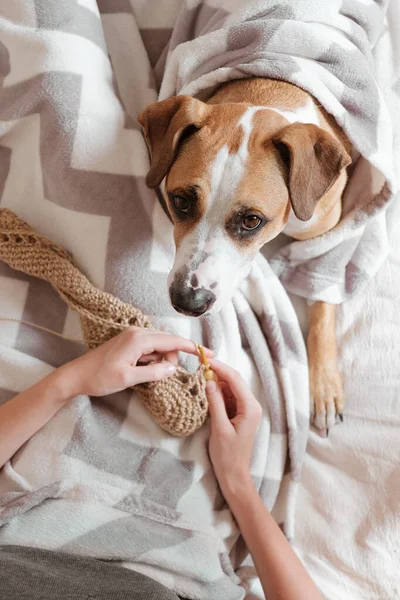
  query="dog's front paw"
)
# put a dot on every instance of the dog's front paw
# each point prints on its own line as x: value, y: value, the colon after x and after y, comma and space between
x: 327, y: 398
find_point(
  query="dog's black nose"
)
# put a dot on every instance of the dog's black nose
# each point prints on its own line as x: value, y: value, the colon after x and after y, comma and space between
x: 191, y: 302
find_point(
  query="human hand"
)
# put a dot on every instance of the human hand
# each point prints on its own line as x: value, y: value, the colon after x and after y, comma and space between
x: 235, y: 415
x: 134, y: 356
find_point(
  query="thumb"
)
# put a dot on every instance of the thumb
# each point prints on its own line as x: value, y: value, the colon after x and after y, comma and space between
x: 219, y: 418
x: 154, y: 372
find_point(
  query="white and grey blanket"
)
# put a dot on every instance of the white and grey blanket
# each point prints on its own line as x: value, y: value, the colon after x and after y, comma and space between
x: 101, y: 478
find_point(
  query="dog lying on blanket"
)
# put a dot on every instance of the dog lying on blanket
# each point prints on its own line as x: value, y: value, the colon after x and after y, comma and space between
x: 261, y: 157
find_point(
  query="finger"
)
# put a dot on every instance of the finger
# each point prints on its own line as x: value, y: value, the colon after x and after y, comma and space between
x: 152, y: 372
x: 142, y: 331
x: 146, y: 358
x: 245, y: 401
x: 230, y: 407
x: 207, y: 351
x: 226, y: 392
x: 165, y: 342
x: 224, y: 387
x: 219, y: 418
x: 172, y: 357
x: 229, y: 399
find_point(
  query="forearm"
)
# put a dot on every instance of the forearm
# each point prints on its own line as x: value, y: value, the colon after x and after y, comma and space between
x: 282, y: 575
x: 22, y: 416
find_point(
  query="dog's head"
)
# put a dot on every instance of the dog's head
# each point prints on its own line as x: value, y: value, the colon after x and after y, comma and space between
x: 232, y: 173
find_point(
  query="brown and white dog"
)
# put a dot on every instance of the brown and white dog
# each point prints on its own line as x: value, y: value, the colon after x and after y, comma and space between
x: 261, y: 157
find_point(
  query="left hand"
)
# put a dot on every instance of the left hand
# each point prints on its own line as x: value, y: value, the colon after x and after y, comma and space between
x: 134, y: 356
x: 235, y: 415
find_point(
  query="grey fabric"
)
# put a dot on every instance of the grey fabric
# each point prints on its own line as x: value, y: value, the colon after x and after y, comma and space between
x: 340, y: 51
x: 33, y: 574
x: 73, y: 164
x: 74, y: 76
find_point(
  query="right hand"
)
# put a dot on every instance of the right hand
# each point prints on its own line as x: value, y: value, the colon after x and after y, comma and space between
x: 136, y: 355
x: 235, y: 415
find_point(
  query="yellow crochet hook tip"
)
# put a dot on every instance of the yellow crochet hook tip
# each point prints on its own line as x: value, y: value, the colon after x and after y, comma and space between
x: 209, y: 374
x: 203, y: 356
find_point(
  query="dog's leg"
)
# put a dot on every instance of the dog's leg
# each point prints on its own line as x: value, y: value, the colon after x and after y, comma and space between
x: 326, y: 390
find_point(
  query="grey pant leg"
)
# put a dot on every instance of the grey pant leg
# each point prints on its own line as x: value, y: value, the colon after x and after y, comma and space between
x: 33, y: 574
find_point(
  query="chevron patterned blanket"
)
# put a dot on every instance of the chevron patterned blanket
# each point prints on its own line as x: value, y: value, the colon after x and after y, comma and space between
x: 101, y: 478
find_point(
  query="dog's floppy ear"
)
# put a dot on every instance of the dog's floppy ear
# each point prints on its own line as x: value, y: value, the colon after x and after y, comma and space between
x: 164, y: 124
x: 314, y: 159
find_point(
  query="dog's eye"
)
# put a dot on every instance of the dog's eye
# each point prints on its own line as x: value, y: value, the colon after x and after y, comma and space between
x: 181, y: 204
x: 251, y: 222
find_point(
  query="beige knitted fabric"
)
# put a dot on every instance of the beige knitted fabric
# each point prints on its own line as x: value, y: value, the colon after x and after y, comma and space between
x: 178, y: 404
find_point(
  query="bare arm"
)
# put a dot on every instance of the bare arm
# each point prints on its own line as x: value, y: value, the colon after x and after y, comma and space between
x: 25, y: 414
x: 124, y: 361
x: 282, y: 575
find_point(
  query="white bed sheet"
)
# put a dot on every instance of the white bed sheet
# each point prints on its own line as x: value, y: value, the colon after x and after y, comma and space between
x: 348, y: 512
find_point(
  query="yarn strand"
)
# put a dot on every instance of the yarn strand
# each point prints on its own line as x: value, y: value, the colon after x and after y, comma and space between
x: 41, y: 328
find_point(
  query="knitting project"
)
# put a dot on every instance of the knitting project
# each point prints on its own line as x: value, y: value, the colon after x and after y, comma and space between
x: 178, y: 404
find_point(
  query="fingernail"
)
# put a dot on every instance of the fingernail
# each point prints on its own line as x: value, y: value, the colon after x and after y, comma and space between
x: 170, y: 368
x: 211, y: 387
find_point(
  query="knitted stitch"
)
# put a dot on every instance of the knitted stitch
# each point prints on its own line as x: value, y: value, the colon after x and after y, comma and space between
x: 178, y: 404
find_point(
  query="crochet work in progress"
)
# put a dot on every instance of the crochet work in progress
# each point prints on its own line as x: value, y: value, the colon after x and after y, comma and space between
x: 178, y: 404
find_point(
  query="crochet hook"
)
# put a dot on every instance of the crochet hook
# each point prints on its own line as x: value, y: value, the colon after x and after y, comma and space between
x: 209, y: 374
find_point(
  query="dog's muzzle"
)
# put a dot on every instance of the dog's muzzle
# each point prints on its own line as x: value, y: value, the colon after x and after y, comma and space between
x: 191, y: 302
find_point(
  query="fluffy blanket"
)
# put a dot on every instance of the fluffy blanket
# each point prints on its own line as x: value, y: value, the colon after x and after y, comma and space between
x: 336, y: 51
x: 101, y: 479
x: 351, y: 480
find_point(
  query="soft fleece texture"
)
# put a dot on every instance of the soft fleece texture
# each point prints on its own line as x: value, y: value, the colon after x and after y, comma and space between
x: 73, y: 163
